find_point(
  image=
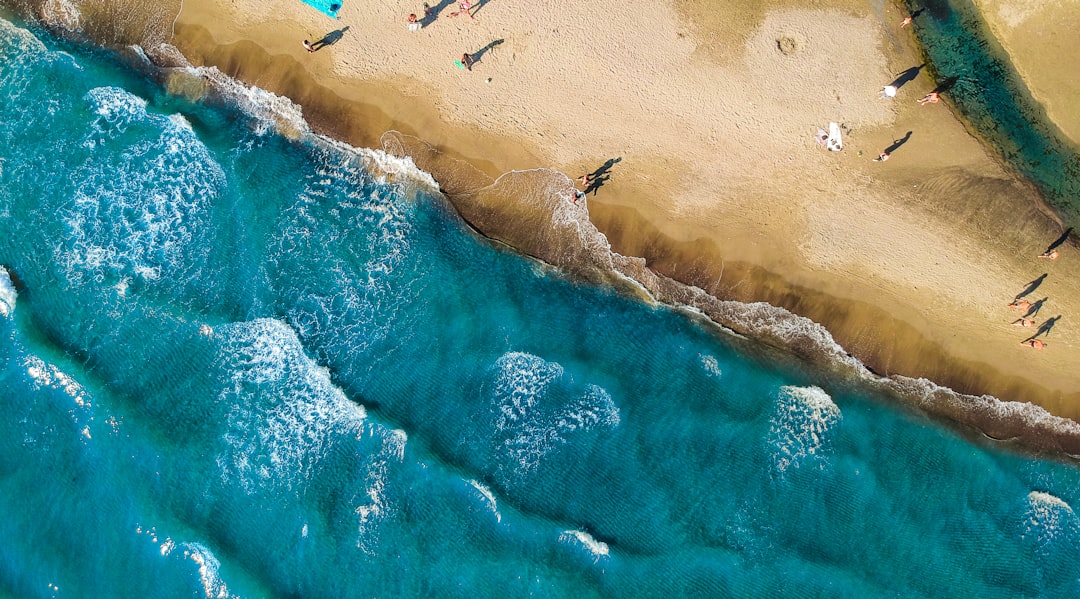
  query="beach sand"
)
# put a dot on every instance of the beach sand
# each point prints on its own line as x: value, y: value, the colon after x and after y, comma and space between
x: 711, y: 109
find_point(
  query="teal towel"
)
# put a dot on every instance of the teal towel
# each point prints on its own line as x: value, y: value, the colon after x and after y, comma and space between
x: 328, y: 7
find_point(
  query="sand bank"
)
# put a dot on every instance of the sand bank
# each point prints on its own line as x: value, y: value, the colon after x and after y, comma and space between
x: 1041, y: 40
x: 711, y: 109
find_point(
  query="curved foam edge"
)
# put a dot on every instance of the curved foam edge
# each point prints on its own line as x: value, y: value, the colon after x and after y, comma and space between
x: 8, y: 294
x: 598, y: 549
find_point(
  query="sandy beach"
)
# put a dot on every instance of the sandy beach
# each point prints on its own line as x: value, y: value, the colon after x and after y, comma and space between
x: 711, y: 110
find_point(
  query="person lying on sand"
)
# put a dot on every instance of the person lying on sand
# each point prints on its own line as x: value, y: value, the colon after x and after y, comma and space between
x: 930, y: 98
x: 1020, y: 305
x: 466, y: 6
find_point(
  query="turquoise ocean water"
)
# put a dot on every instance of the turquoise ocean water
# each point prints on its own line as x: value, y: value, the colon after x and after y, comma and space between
x: 238, y: 365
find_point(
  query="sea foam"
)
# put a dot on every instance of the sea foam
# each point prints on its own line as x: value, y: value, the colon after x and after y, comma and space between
x: 286, y: 412
x: 489, y: 498
x: 801, y: 426
x: 534, y: 412
x: 1048, y: 518
x: 140, y: 210
x: 209, y: 571
x: 597, y: 549
x: 7, y: 293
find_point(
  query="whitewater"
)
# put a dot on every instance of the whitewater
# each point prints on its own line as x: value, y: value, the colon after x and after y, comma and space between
x: 241, y: 360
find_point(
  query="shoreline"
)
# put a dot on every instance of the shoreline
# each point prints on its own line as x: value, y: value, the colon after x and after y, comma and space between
x: 911, y: 351
x: 896, y: 330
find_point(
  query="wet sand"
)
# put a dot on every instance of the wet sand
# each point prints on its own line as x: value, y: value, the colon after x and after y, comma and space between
x: 909, y: 263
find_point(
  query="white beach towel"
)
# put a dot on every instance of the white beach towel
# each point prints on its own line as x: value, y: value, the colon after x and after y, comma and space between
x: 834, y: 143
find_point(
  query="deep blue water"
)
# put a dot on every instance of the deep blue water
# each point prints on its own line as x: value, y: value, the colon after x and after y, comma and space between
x: 243, y: 365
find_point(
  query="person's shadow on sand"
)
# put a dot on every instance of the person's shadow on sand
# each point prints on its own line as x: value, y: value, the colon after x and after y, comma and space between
x: 1035, y: 307
x: 1060, y: 240
x: 491, y: 46
x: 330, y: 38
x: 1044, y: 328
x: 897, y: 143
x: 906, y: 76
x: 600, y: 176
x: 433, y: 12
x: 1032, y: 286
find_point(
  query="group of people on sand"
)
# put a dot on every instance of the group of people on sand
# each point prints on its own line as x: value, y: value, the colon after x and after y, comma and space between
x: 1026, y: 308
x: 889, y: 91
x: 415, y: 23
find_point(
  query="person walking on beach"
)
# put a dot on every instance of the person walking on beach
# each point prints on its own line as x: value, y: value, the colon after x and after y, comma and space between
x: 1033, y: 343
x: 466, y: 7
x: 467, y: 61
x: 1020, y: 305
x: 882, y: 157
x: 930, y: 98
x: 1023, y: 322
x: 1049, y: 254
x: 307, y: 46
x: 413, y: 24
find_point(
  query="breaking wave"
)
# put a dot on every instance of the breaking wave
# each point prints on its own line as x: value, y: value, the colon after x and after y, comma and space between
x: 535, y: 411
x: 801, y: 426
x: 597, y: 549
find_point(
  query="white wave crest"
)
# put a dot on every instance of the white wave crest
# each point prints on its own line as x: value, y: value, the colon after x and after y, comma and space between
x: 530, y: 420
x: 710, y: 364
x: 7, y: 293
x: 522, y: 380
x: 288, y: 416
x: 802, y: 422
x: 115, y: 108
x: 209, y: 571
x: 47, y: 375
x: 140, y: 212
x: 271, y: 113
x: 488, y: 496
x: 287, y: 413
x: 1048, y: 518
x: 580, y: 538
